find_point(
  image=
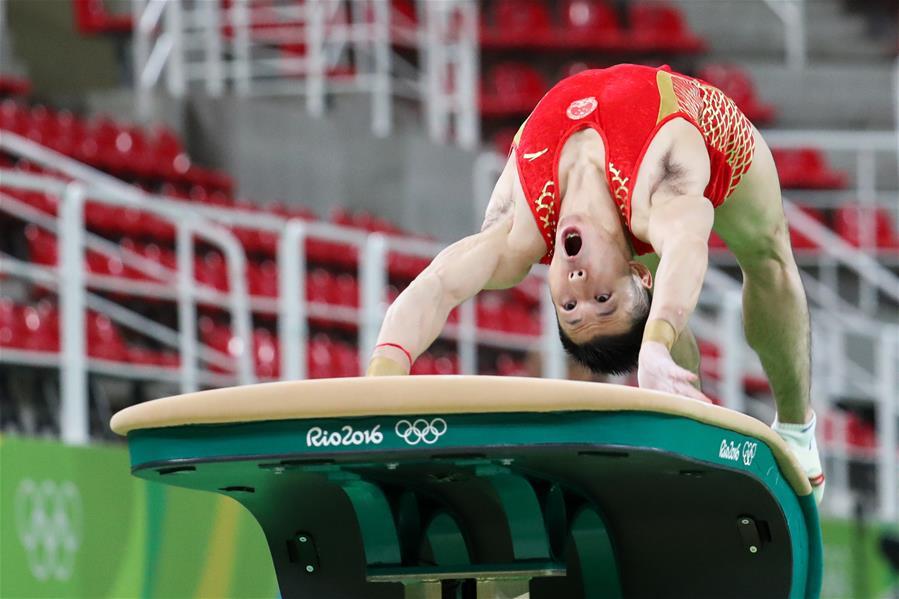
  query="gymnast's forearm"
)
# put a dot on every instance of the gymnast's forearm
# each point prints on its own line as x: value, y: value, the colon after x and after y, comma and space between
x: 679, y: 281
x: 417, y: 316
x: 414, y: 321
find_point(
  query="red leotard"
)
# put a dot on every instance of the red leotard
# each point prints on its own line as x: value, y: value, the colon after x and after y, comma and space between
x: 626, y: 105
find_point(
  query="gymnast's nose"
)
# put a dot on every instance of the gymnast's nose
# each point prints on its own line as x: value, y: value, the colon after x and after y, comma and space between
x: 577, y: 275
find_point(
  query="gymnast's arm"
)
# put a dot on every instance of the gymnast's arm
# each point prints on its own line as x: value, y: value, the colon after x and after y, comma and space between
x: 680, y: 221
x: 679, y: 231
x: 685, y: 351
x: 497, y: 257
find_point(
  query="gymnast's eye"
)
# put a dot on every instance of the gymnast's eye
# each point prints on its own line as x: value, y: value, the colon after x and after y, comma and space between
x: 603, y: 298
x: 569, y: 306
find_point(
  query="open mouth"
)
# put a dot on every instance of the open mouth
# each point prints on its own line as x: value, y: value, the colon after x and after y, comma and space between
x: 572, y: 242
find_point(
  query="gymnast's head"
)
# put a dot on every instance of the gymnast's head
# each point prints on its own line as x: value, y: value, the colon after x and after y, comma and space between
x: 602, y: 296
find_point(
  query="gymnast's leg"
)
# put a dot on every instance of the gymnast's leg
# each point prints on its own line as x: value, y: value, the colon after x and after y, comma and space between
x: 775, y: 311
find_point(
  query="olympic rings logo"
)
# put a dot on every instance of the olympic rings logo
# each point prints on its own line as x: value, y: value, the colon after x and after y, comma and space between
x: 749, y: 451
x: 420, y: 430
x: 49, y: 522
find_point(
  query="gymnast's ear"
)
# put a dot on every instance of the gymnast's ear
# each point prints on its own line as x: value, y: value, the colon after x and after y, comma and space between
x: 643, y: 273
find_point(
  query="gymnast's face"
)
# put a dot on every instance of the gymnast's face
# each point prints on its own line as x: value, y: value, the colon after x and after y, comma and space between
x: 595, y: 288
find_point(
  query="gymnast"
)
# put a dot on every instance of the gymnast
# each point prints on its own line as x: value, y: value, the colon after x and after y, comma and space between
x: 614, y: 164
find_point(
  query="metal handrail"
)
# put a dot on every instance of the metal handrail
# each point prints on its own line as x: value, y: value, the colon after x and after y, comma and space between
x: 184, y: 42
x: 792, y: 14
x: 187, y: 223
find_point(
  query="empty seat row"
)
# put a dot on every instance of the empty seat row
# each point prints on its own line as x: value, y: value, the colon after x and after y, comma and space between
x: 121, y: 149
x: 36, y: 328
x: 135, y: 224
x: 325, y: 357
x: 587, y: 25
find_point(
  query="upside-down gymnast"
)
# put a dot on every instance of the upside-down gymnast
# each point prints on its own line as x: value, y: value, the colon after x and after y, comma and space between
x: 613, y: 164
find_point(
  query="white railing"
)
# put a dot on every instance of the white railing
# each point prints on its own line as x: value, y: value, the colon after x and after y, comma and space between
x: 312, y: 50
x: 71, y: 278
x: 792, y: 15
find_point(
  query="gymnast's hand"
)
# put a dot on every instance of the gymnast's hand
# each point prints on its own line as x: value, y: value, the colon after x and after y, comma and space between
x: 383, y: 366
x: 657, y: 370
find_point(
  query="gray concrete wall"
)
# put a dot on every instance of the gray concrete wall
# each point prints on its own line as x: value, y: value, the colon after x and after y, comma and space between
x: 275, y: 150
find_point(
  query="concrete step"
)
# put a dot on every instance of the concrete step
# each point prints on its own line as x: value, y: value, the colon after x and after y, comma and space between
x: 828, y: 96
x: 751, y: 29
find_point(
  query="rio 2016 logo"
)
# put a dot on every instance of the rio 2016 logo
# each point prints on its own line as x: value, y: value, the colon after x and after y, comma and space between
x: 737, y: 451
x: 347, y: 435
x: 49, y: 522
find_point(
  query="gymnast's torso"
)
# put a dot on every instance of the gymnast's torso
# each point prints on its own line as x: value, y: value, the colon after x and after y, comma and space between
x: 628, y: 118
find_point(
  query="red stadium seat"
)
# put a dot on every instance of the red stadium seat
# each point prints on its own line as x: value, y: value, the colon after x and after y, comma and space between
x: 168, y: 159
x: 40, y: 327
x: 346, y: 360
x: 320, y: 287
x: 138, y: 354
x: 806, y: 168
x: 321, y: 357
x: 11, y: 324
x: 266, y: 354
x: 92, y: 17
x: 519, y: 23
x: 100, y: 217
x: 346, y: 289
x: 737, y: 84
x: 14, y: 116
x: 849, y: 225
x: 590, y: 24
x: 660, y: 27
x: 424, y: 364
x: 508, y: 365
x: 104, y: 340
x: 211, y: 270
x: 41, y: 201
x: 860, y: 433
x: 405, y: 267
x: 511, y: 89
x: 446, y: 365
x: 42, y: 247
x: 11, y: 85
x: 263, y: 278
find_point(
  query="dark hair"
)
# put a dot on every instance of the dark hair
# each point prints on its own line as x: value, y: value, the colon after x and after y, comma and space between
x: 612, y: 354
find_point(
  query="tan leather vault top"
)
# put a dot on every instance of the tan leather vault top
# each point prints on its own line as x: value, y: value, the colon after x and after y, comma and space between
x: 411, y: 395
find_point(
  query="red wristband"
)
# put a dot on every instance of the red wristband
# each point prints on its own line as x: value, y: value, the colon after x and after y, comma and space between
x: 399, y: 347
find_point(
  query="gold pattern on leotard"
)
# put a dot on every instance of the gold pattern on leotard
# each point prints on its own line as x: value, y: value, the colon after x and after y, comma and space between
x: 620, y: 190
x: 724, y: 127
x: 545, y: 207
